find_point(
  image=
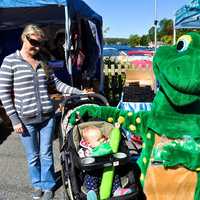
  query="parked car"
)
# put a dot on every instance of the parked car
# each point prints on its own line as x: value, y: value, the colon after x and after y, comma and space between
x: 111, y: 54
x: 110, y: 51
x: 114, y: 54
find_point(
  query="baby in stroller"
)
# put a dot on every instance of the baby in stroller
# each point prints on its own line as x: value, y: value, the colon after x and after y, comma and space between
x: 90, y: 167
x: 93, y: 136
x: 93, y: 140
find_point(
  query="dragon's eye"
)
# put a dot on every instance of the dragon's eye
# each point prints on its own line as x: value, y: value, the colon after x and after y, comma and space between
x: 183, y: 43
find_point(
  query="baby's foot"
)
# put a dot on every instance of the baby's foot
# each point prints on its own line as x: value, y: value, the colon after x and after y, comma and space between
x: 91, y: 195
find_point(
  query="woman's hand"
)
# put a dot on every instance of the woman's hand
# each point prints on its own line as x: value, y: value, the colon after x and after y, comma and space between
x: 19, y: 128
x: 88, y: 90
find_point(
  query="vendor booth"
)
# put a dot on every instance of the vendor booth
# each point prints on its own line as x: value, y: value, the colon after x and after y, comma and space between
x: 75, y: 17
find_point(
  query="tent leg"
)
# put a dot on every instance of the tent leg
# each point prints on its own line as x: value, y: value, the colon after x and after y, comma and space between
x: 67, y: 44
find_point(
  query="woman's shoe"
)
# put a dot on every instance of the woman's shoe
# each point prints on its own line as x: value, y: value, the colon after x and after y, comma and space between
x: 48, y: 195
x: 37, y: 194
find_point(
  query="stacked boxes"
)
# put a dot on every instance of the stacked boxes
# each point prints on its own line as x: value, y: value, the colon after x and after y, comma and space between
x: 136, y: 93
x: 139, y: 86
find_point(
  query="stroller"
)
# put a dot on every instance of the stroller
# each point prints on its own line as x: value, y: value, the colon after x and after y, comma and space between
x: 74, y: 168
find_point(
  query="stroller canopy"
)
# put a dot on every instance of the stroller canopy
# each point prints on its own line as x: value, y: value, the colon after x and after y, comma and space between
x: 188, y: 16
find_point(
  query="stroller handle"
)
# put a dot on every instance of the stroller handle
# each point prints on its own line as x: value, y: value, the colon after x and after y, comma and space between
x: 84, y: 97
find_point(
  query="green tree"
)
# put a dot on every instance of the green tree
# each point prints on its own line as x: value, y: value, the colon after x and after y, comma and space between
x: 144, y: 40
x: 165, y: 27
x: 151, y: 33
x: 180, y: 32
x: 167, y: 39
x: 164, y: 34
x: 164, y: 31
x: 122, y: 41
x: 134, y: 40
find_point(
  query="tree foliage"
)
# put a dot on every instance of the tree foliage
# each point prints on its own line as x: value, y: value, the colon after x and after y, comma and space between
x: 164, y: 34
x: 144, y: 40
x: 167, y: 39
x: 121, y: 41
x: 151, y: 33
x: 165, y: 27
x: 134, y: 40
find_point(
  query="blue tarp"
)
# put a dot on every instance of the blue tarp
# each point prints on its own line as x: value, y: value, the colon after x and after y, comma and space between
x: 188, y: 16
x: 16, y: 13
x: 30, y: 3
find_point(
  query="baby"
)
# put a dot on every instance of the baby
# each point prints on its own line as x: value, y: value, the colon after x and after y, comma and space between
x: 93, y: 136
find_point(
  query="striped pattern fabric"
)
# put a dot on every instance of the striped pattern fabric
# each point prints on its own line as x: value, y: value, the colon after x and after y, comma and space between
x: 24, y: 91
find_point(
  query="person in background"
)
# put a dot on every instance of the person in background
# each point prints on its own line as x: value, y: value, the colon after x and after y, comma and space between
x: 59, y: 62
x: 24, y: 83
x: 58, y: 51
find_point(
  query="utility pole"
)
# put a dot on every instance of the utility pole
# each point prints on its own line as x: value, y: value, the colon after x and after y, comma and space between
x: 174, y: 27
x: 155, y: 24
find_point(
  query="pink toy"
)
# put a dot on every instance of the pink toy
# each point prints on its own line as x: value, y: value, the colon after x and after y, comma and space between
x: 122, y: 192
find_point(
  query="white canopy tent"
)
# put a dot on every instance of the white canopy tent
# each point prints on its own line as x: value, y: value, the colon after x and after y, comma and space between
x: 188, y: 16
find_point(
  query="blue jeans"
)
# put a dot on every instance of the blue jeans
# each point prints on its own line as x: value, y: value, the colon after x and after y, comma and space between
x: 38, y: 144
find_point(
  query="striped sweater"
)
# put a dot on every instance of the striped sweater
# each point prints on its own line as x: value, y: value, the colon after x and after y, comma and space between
x: 30, y: 102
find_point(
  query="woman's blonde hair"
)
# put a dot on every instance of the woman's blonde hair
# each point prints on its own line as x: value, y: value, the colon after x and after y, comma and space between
x: 32, y: 29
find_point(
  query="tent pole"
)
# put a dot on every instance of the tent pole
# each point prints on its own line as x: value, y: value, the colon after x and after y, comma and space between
x: 174, y: 34
x: 67, y: 44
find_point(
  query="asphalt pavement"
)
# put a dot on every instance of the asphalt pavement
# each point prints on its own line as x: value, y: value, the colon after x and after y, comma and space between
x: 14, y: 183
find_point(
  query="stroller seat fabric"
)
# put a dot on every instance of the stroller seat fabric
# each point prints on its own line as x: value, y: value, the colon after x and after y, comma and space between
x: 83, y: 173
x: 90, y: 173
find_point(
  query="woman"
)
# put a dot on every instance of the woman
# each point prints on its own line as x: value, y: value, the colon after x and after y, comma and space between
x: 30, y: 108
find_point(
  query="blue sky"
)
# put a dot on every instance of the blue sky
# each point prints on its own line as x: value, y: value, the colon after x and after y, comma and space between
x: 126, y: 17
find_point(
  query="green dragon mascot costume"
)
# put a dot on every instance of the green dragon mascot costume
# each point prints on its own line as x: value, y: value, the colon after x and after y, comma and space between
x: 171, y: 130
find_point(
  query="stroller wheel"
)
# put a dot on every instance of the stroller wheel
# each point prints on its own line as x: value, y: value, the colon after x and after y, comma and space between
x: 66, y: 195
x: 60, y: 137
x: 91, y: 195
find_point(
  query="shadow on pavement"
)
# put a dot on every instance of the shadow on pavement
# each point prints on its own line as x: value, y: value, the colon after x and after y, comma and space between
x: 5, y: 125
x: 5, y: 131
x: 58, y: 180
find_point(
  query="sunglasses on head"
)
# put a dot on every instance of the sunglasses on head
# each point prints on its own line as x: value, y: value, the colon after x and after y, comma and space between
x: 35, y: 43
